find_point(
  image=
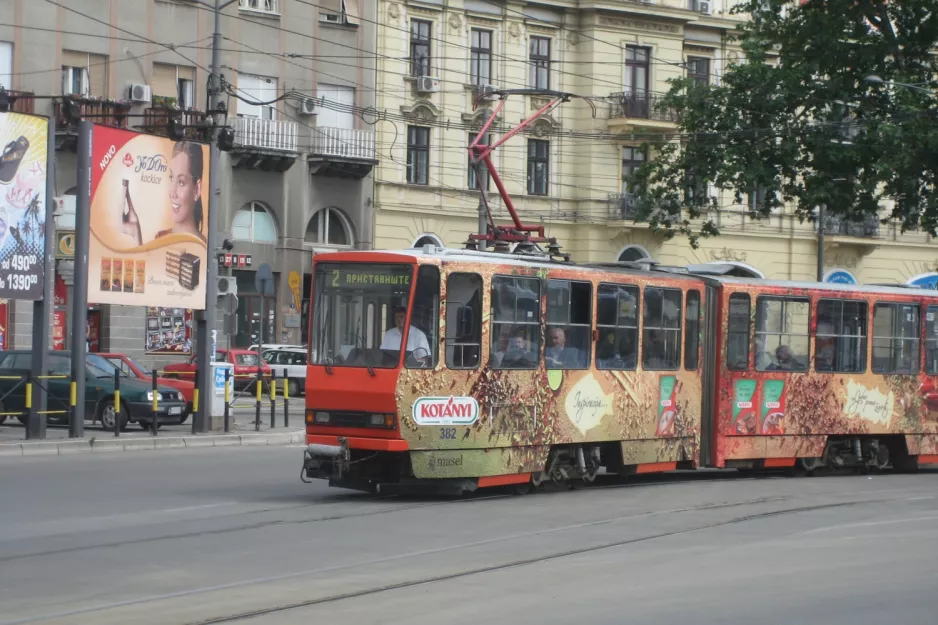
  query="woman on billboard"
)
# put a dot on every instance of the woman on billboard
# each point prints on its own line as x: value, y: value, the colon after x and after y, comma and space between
x: 185, y: 196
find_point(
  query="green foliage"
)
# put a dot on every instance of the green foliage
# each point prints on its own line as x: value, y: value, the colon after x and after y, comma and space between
x: 797, y: 120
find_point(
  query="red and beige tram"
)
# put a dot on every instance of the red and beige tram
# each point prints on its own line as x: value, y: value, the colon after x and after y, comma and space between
x: 516, y: 369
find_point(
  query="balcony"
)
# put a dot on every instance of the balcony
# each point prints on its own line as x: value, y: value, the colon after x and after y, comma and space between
x: 630, y: 110
x: 623, y: 207
x: 156, y: 122
x: 265, y: 144
x: 21, y: 101
x: 342, y: 152
x: 102, y: 112
x: 866, y: 228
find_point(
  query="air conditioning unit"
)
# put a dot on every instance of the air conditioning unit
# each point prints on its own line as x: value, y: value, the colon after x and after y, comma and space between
x: 704, y: 6
x: 307, y: 106
x: 227, y: 286
x: 139, y: 93
x: 428, y: 84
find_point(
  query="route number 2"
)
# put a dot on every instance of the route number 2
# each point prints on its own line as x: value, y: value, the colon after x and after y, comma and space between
x: 448, y: 433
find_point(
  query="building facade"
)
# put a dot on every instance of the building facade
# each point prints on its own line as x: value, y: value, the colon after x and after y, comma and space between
x: 297, y: 180
x: 569, y: 173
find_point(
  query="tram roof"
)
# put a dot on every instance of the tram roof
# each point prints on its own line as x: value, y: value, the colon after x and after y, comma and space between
x: 711, y: 273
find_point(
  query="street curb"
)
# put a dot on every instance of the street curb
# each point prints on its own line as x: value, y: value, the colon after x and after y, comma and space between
x: 70, y: 447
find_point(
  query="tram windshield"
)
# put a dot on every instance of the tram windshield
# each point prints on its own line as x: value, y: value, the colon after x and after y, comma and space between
x: 354, y: 314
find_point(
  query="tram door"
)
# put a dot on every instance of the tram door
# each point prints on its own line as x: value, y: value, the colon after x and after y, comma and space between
x: 711, y: 355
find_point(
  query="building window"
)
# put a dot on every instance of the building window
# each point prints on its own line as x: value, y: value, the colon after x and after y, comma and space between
x: 636, y: 72
x: 480, y: 57
x: 463, y: 321
x: 427, y: 239
x: 617, y: 323
x: 737, y: 333
x: 896, y: 338
x: 538, y: 166
x: 256, y: 89
x: 84, y: 74
x: 173, y: 81
x: 632, y: 253
x: 343, y: 12
x: 329, y: 227
x: 254, y: 223
x: 263, y: 6
x: 418, y: 154
x: 632, y: 159
x: 516, y: 323
x: 539, y: 58
x: 473, y: 180
x: 420, y: 47
x: 569, y: 334
x: 782, y: 332
x: 692, y: 331
x: 698, y: 70
x: 661, y: 329
x: 840, y: 338
x: 6, y: 65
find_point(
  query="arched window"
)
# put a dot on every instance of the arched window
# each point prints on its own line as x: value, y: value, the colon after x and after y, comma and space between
x: 427, y: 239
x: 253, y: 222
x: 329, y: 227
x: 632, y: 253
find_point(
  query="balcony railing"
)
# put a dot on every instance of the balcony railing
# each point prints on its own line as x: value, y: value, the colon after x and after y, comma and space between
x: 639, y: 106
x: 866, y: 228
x: 104, y: 112
x: 265, y: 134
x: 156, y: 121
x: 21, y: 101
x: 345, y: 143
x: 623, y: 206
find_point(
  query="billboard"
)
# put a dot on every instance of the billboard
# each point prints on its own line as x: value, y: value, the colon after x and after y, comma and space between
x: 149, y: 220
x: 24, y: 140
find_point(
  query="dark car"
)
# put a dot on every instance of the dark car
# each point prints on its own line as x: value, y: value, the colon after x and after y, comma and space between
x: 136, y: 396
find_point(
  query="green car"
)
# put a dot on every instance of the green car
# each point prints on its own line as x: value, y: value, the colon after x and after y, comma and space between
x: 136, y: 396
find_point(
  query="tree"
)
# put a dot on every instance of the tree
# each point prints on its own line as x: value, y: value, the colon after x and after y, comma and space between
x: 796, y: 120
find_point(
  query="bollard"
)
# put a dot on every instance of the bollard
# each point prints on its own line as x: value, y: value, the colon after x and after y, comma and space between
x: 30, y: 416
x: 286, y: 399
x: 257, y: 408
x: 195, y: 401
x: 156, y: 403
x: 273, y: 397
x: 117, y: 402
x: 227, y: 399
x: 72, y: 401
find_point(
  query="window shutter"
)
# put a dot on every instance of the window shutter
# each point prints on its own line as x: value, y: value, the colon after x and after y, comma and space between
x: 351, y: 11
x: 330, y: 6
x: 163, y: 82
x: 74, y: 59
x: 97, y: 75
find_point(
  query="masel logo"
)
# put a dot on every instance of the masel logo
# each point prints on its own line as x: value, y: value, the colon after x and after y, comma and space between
x: 446, y: 411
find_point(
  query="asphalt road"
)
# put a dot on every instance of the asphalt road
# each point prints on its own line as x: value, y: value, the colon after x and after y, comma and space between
x: 233, y: 536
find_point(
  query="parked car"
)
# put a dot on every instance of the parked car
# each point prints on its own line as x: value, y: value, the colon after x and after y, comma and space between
x: 289, y: 358
x: 134, y: 370
x: 136, y: 401
x: 245, y: 366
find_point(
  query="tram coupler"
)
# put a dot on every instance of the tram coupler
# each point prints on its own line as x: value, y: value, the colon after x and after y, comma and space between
x: 326, y: 461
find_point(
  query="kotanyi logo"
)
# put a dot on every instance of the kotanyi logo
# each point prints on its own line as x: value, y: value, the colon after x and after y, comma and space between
x: 446, y: 411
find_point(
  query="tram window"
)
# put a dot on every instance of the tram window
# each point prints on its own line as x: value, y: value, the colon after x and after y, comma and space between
x: 569, y: 324
x: 516, y: 323
x: 896, y: 338
x: 692, y: 330
x: 737, y: 335
x: 661, y: 329
x: 782, y: 328
x: 617, y: 322
x: 424, y: 321
x: 840, y: 338
x: 463, y: 320
x: 931, y: 340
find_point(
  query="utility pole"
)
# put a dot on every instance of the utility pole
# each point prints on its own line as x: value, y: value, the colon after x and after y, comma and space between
x: 820, y: 242
x: 206, y: 325
x: 76, y: 427
x: 481, y: 184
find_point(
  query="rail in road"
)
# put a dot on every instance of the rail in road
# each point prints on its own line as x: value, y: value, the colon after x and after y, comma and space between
x: 239, y: 541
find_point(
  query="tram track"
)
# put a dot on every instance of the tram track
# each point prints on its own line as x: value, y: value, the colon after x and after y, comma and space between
x: 335, y: 597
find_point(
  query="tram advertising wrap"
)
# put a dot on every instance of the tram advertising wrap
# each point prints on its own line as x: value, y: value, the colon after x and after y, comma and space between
x: 22, y: 205
x: 149, y: 220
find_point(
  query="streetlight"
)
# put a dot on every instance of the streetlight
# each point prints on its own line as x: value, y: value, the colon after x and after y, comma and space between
x: 876, y: 80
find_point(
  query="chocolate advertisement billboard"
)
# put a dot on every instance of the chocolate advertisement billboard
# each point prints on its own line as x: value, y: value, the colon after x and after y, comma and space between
x: 149, y: 220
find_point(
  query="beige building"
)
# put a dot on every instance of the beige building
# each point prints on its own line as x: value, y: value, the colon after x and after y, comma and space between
x: 436, y: 56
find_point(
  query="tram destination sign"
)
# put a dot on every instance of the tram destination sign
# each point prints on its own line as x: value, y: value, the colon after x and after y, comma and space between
x: 356, y: 277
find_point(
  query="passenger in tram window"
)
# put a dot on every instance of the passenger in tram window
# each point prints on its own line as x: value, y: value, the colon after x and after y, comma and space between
x: 518, y: 354
x: 784, y: 361
x: 416, y: 339
x: 558, y: 355
x: 606, y: 351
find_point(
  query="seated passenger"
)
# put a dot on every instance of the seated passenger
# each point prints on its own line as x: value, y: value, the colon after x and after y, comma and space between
x: 558, y: 355
x: 517, y: 355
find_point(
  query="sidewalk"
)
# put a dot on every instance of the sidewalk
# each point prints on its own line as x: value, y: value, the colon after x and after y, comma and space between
x: 96, y: 440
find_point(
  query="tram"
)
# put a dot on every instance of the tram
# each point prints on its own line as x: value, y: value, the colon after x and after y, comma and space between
x: 461, y: 369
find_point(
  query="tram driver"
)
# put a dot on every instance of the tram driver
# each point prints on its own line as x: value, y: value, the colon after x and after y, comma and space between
x: 417, y: 343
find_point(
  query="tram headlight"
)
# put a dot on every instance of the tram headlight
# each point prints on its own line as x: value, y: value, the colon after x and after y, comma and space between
x: 379, y: 420
x: 322, y: 417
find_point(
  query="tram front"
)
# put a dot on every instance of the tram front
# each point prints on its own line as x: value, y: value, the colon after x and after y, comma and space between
x: 373, y: 313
